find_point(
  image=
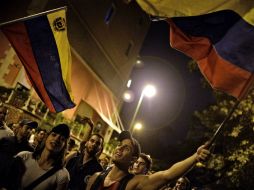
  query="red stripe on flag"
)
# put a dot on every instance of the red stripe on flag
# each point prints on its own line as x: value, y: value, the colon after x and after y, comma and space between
x: 22, y: 42
x: 221, y: 74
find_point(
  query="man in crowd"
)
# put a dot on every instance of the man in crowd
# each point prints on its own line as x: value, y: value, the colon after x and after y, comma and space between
x: 19, y: 142
x: 85, y: 164
x: 142, y: 165
x: 39, y: 136
x: 128, y: 152
x: 104, y: 162
x: 182, y: 183
x: 5, y: 131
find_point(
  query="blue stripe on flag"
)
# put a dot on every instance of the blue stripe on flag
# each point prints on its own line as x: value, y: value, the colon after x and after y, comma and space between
x: 46, y: 54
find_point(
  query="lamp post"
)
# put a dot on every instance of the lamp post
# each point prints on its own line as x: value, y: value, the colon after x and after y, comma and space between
x: 148, y: 91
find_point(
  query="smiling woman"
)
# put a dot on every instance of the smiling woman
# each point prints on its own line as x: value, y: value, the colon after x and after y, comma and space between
x: 47, y: 160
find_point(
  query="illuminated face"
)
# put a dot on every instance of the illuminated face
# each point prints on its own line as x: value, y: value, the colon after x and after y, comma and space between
x: 139, y: 167
x: 55, y: 142
x: 181, y: 184
x: 40, y: 135
x: 104, y: 163
x: 123, y: 153
x: 93, y: 145
x: 24, y: 131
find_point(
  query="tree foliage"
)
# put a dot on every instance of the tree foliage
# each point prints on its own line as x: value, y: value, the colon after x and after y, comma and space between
x: 231, y: 165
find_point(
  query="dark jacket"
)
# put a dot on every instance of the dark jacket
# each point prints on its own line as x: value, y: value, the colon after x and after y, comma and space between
x: 79, y: 172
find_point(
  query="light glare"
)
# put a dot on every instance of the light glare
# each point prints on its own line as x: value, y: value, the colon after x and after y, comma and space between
x: 149, y: 91
x: 138, y: 126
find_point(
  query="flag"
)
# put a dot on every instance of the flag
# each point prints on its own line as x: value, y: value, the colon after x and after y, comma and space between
x: 217, y: 34
x: 42, y: 46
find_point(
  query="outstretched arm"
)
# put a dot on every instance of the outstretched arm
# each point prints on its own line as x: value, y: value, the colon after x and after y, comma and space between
x: 158, y: 179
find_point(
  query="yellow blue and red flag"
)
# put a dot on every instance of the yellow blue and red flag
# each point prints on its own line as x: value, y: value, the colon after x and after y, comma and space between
x: 42, y: 45
x: 218, y: 34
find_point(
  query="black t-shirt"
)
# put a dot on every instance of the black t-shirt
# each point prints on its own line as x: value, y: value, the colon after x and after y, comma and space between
x: 79, y: 172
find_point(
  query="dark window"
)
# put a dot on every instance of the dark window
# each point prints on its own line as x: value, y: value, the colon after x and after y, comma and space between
x: 110, y: 13
x: 128, y: 50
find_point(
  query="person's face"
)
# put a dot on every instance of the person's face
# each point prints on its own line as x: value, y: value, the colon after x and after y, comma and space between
x: 93, y: 145
x: 123, y: 153
x: 181, y: 184
x: 55, y: 142
x: 3, y: 113
x: 139, y: 167
x: 40, y: 135
x: 104, y: 163
x: 24, y: 131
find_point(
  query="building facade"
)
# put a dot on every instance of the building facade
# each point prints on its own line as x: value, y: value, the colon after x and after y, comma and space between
x: 105, y: 38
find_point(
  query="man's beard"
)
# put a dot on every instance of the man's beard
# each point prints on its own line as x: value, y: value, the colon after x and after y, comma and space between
x: 91, y: 152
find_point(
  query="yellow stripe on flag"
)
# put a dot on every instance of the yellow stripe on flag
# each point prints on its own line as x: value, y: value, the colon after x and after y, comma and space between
x: 177, y: 8
x: 58, y: 26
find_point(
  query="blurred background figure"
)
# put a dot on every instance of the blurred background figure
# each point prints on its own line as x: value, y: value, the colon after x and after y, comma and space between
x: 5, y: 131
x: 182, y: 183
x: 75, y: 152
x: 38, y: 137
x: 19, y: 142
x: 104, y: 162
x: 71, y: 146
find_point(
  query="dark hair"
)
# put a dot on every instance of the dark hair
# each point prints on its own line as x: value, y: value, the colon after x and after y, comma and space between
x: 98, y: 135
x: 187, y: 182
x: 136, y: 146
x: 62, y: 129
x: 147, y: 159
x: 71, y: 142
x: 58, y: 158
x: 40, y: 129
x: 28, y: 122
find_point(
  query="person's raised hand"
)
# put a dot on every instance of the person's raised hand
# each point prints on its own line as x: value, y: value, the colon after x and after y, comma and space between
x: 202, y: 153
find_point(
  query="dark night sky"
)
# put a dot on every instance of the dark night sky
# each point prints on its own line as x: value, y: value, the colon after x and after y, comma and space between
x: 179, y: 93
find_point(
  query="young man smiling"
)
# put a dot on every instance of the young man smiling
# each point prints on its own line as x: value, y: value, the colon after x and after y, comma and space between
x: 127, y: 152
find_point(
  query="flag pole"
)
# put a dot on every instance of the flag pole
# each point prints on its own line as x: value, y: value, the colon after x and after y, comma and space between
x: 223, y: 124
x: 32, y: 16
x: 243, y: 94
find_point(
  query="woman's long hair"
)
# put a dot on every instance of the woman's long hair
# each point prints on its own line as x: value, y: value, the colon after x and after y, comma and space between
x: 57, y: 157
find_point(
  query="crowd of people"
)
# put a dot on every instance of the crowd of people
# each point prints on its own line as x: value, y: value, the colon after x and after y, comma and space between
x: 33, y: 158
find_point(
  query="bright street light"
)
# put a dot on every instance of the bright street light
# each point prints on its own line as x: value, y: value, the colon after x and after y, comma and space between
x: 128, y: 96
x: 149, y: 91
x: 138, y: 126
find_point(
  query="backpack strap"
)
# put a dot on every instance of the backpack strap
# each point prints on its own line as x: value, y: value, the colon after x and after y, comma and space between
x: 100, y: 179
x: 43, y: 177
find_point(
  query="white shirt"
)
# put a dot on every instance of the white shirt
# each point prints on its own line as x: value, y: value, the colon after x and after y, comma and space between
x: 33, y: 172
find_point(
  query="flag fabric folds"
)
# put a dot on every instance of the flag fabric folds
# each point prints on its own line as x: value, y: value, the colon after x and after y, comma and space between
x: 217, y: 34
x: 42, y: 45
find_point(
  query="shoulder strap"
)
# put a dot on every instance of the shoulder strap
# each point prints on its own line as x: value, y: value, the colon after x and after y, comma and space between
x: 40, y: 179
x: 124, y: 181
x: 100, y: 179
